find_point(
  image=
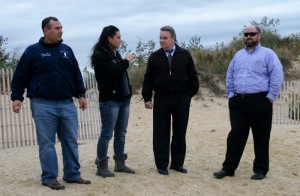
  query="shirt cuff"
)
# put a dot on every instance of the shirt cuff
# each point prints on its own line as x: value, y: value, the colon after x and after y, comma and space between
x: 231, y: 94
x: 271, y: 96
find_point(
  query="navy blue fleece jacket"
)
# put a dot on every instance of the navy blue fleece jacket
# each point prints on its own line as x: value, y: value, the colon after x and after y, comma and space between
x: 48, y: 71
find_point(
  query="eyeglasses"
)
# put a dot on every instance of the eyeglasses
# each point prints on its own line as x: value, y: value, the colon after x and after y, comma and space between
x: 250, y: 33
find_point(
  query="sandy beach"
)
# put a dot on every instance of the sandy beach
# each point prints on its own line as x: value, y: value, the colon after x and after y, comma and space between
x: 206, y: 145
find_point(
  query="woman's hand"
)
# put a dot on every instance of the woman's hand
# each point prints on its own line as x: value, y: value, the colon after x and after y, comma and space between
x: 129, y: 57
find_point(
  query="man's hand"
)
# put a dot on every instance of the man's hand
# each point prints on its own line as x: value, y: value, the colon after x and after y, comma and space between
x: 82, y: 103
x: 148, y: 105
x: 16, y: 106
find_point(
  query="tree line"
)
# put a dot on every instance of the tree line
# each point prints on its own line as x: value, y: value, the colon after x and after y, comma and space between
x: 211, y: 63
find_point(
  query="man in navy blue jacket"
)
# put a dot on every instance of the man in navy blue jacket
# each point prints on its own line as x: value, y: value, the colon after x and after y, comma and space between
x: 50, y: 73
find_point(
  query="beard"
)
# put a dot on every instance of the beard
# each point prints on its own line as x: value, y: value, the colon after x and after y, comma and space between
x: 250, y: 43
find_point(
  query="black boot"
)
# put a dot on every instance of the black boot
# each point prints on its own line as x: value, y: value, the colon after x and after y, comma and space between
x: 120, y: 164
x: 102, y: 168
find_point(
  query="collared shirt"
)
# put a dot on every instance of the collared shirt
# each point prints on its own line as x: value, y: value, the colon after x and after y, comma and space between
x: 252, y: 72
x: 172, y: 51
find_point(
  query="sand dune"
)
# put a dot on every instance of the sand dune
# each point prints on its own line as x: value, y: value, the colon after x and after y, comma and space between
x: 206, y: 146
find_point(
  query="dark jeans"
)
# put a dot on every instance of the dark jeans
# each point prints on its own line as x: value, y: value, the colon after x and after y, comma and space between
x: 114, y: 120
x: 245, y: 113
x: 169, y: 108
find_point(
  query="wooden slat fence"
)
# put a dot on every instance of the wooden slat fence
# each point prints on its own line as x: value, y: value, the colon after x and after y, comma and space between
x: 18, y: 129
x: 287, y: 106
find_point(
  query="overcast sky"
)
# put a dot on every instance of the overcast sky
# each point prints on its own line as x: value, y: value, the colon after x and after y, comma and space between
x: 214, y: 21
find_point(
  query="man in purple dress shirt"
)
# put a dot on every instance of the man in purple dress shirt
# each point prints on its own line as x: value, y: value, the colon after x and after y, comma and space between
x: 253, y: 81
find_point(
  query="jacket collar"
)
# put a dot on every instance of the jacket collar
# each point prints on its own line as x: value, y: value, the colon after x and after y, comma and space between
x: 177, y: 49
x: 49, y: 45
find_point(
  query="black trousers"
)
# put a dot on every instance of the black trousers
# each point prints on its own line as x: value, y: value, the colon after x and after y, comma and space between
x: 253, y: 112
x: 167, y: 109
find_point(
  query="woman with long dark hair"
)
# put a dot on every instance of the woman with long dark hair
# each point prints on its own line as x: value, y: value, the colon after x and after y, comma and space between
x: 114, y: 97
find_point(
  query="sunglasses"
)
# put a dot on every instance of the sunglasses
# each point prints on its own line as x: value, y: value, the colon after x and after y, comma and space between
x: 250, y: 33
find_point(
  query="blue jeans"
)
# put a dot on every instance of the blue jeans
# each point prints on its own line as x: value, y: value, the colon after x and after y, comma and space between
x: 114, y: 117
x: 59, y: 117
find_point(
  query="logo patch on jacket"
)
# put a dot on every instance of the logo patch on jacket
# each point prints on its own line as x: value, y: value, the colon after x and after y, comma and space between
x: 45, y: 54
x: 64, y: 54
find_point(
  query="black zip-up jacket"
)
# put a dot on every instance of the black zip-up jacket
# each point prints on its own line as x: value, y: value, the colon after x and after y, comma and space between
x: 48, y: 71
x: 109, y: 72
x: 180, y: 77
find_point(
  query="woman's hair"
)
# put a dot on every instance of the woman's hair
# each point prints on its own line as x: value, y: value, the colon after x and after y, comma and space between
x: 102, y: 43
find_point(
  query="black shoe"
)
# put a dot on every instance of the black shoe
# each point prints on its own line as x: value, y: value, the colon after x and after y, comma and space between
x: 258, y: 176
x: 222, y: 173
x: 179, y: 169
x: 163, y: 171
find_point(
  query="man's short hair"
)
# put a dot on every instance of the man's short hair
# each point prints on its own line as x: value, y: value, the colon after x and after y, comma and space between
x: 46, y: 21
x: 169, y: 29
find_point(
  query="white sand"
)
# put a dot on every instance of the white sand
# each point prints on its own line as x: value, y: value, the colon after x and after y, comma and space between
x: 206, y: 146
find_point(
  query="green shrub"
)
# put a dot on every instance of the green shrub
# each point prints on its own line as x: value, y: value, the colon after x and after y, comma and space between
x: 136, y: 77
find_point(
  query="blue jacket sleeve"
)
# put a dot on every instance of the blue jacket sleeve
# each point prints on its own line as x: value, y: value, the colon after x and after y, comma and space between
x: 21, y: 77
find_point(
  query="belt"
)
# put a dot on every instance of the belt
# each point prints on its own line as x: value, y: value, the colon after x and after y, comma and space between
x: 171, y: 94
x: 250, y: 95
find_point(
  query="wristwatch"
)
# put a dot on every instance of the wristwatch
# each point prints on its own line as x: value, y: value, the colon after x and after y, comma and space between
x: 82, y: 95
